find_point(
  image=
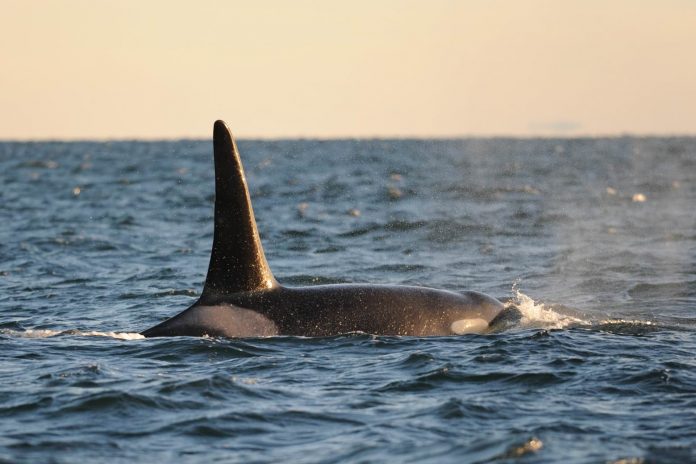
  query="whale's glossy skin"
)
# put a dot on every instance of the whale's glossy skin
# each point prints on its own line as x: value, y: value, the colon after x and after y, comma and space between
x: 332, y: 309
x: 241, y: 298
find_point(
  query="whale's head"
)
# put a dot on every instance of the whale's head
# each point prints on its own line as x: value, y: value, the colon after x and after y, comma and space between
x: 485, y: 310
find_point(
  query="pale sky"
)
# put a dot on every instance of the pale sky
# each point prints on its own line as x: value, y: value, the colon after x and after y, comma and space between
x: 298, y: 68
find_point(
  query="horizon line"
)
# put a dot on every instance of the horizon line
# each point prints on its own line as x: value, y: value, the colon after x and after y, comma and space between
x: 252, y: 137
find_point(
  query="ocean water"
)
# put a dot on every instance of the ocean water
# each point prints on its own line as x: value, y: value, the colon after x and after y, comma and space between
x: 592, y: 242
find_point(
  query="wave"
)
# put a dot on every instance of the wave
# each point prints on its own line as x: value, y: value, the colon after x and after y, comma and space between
x: 534, y: 314
x: 46, y: 333
x: 523, y: 312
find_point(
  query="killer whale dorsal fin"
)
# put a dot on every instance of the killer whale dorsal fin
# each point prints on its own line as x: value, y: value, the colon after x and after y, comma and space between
x: 237, y: 262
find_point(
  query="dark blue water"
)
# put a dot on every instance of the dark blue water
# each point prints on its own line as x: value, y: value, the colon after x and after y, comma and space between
x: 594, y: 240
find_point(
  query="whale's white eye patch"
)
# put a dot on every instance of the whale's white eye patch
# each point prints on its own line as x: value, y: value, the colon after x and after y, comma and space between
x: 466, y: 326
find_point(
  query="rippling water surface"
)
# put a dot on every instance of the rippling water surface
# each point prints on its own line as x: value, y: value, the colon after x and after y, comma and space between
x: 592, y: 241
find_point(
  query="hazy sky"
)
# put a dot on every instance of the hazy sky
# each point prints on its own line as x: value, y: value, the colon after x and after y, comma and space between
x: 98, y: 69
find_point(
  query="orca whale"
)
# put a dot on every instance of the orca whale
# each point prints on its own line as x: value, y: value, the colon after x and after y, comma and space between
x: 241, y: 298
